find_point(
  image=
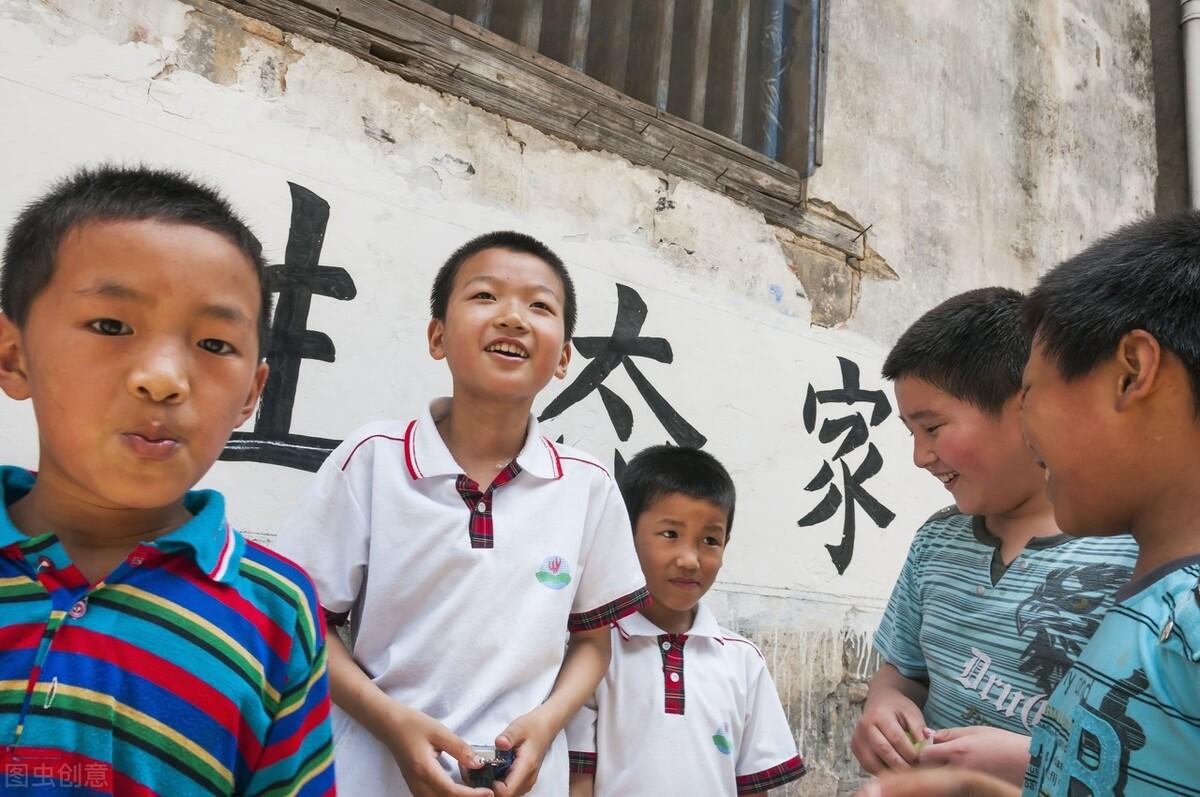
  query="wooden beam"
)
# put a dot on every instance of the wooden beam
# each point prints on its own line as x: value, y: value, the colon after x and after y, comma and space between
x: 689, y: 61
x: 480, y: 12
x: 531, y: 24
x: 649, y: 76
x: 727, y: 77
x: 577, y: 39
x: 608, y: 44
x: 493, y: 73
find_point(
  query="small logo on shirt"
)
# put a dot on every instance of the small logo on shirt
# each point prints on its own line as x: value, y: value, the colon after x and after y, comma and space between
x: 554, y: 573
x: 721, y: 739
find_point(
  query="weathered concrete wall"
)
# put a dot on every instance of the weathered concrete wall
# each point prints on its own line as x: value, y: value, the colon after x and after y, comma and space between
x: 981, y: 146
x: 985, y: 141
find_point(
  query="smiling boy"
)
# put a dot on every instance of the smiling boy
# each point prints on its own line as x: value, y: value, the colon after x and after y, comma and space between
x: 145, y: 646
x: 993, y: 603
x: 687, y: 707
x: 480, y: 562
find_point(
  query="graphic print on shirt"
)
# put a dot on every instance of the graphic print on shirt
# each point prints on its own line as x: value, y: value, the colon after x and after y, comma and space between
x: 1101, y: 740
x: 1062, y: 614
x: 977, y: 676
x: 554, y: 573
x: 721, y: 739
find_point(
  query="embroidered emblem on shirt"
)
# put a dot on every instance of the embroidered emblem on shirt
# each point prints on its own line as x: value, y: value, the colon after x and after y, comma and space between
x: 554, y: 573
x: 721, y: 739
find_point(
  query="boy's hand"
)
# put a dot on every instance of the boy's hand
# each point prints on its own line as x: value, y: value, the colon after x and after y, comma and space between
x: 530, y: 735
x: 884, y: 737
x: 944, y: 782
x: 998, y: 752
x: 416, y: 741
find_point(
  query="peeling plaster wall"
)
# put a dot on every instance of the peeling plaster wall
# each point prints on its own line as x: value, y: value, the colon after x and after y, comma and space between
x: 980, y: 146
x: 984, y: 141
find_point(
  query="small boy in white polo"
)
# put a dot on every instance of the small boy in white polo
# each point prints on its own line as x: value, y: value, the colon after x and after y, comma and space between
x: 481, y: 564
x: 686, y: 707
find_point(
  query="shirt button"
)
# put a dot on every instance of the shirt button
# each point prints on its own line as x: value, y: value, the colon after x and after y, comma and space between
x: 1024, y: 565
x: 980, y: 590
x: 136, y: 561
x: 481, y: 507
x: 666, y: 645
x: 79, y: 609
x: 674, y: 677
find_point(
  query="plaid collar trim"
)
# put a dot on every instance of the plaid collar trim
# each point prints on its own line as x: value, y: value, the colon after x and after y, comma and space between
x: 426, y: 453
x: 207, y: 538
x: 704, y: 625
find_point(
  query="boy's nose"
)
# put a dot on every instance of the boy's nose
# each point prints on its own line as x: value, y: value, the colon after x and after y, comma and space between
x: 160, y: 377
x: 923, y: 455
x: 687, y: 560
x: 511, y: 318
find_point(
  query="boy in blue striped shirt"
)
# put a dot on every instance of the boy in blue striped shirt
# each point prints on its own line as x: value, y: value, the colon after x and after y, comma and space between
x: 994, y: 602
x: 1112, y: 409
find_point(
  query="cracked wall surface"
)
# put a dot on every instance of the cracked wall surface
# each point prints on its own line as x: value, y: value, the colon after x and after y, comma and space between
x: 978, y: 147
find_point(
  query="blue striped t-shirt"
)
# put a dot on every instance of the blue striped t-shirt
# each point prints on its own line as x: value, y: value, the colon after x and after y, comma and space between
x: 993, y: 652
x: 1126, y: 718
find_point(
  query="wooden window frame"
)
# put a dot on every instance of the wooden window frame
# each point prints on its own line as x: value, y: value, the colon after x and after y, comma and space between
x: 455, y: 55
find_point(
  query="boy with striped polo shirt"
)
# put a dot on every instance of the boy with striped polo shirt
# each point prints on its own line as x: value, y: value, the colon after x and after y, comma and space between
x: 687, y: 707
x: 994, y: 603
x: 145, y: 646
x: 481, y: 563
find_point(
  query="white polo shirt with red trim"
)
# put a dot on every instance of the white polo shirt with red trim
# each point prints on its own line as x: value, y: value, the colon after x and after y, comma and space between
x: 693, y: 713
x: 461, y: 597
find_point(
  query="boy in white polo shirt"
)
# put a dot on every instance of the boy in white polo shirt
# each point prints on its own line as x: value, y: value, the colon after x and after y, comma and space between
x: 481, y: 564
x: 686, y: 707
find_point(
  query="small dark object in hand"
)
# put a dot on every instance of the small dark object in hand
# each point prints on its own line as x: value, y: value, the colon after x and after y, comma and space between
x: 495, y: 766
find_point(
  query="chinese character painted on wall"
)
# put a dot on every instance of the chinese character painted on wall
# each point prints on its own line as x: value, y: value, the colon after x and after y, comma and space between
x: 854, y: 431
x: 620, y: 349
x: 295, y: 282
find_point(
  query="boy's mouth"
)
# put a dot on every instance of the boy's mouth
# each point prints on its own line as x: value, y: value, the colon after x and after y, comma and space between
x: 507, y: 349
x: 685, y: 583
x: 947, y: 478
x: 151, y: 444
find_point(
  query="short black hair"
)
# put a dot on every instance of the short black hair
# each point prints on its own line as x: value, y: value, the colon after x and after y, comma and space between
x: 115, y: 193
x: 658, y: 471
x: 1146, y: 276
x: 443, y: 283
x: 973, y: 346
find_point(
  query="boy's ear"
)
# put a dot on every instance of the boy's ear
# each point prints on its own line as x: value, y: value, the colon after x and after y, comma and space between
x: 561, y: 371
x: 1139, y: 360
x: 256, y: 389
x: 14, y: 379
x: 436, y: 334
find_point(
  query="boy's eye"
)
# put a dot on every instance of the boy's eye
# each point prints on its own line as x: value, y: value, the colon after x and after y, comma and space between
x: 712, y: 541
x: 214, y: 346
x: 483, y: 295
x: 670, y: 534
x: 542, y: 306
x: 110, y: 326
x: 933, y: 429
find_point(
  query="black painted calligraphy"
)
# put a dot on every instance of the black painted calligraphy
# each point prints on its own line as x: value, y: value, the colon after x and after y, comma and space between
x: 620, y: 349
x: 296, y: 281
x: 854, y: 431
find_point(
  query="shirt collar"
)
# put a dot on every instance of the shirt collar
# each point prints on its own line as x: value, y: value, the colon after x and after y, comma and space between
x: 427, y: 455
x: 705, y: 624
x: 207, y: 538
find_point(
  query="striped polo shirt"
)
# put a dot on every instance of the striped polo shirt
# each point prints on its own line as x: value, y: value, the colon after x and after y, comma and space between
x: 196, y: 667
x: 993, y: 640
